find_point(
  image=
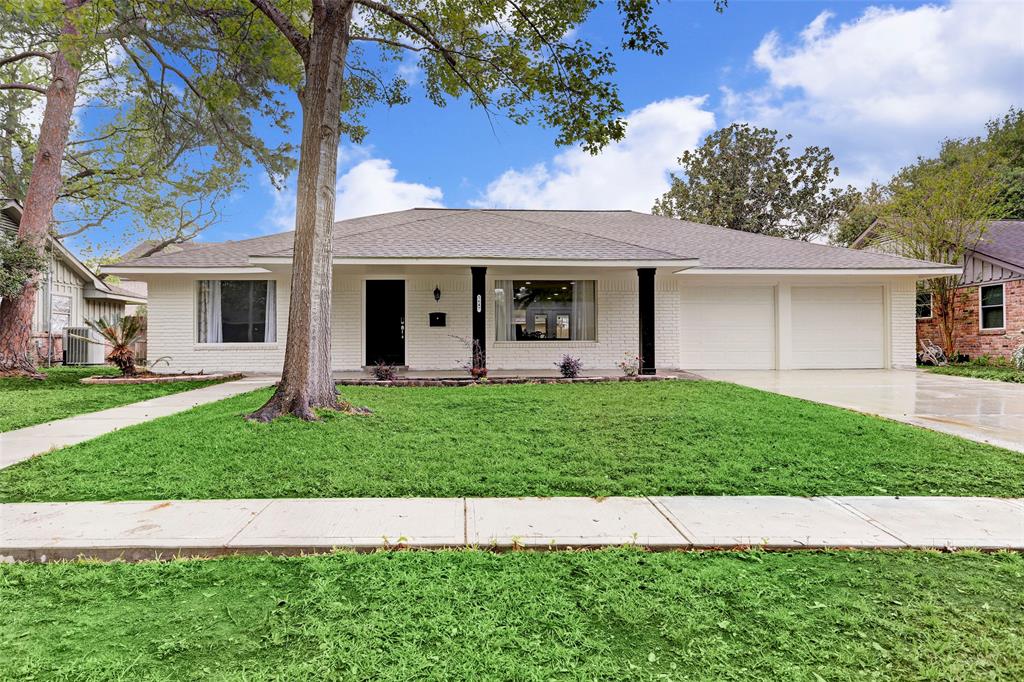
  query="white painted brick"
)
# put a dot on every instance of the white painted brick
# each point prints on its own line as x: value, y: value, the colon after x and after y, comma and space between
x: 172, y: 331
x: 172, y: 326
x: 902, y: 306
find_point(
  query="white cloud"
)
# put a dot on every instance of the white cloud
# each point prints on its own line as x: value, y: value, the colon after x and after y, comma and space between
x: 369, y: 185
x: 891, y: 84
x: 372, y: 186
x: 629, y: 174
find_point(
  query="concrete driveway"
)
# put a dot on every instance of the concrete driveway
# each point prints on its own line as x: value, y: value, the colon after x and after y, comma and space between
x: 985, y: 411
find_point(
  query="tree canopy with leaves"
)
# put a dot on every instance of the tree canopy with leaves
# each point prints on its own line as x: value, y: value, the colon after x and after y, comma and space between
x: 746, y: 178
x: 1002, y: 146
x: 938, y: 211
x: 141, y: 150
x: 515, y: 58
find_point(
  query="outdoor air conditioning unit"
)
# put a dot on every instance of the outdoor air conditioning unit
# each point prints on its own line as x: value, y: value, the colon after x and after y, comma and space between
x: 78, y: 351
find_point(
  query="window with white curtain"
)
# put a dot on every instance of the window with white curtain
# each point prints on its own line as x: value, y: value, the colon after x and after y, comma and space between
x: 237, y: 311
x: 545, y: 310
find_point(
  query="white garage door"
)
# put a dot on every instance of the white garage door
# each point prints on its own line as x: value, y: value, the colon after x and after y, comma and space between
x: 838, y: 327
x: 728, y: 328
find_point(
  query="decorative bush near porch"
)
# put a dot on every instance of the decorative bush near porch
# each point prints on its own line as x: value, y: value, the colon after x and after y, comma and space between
x: 621, y: 438
x: 614, y: 614
x: 24, y: 402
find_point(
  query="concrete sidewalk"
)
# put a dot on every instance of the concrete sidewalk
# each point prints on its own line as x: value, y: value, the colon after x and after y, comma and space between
x: 17, y: 446
x: 147, y: 530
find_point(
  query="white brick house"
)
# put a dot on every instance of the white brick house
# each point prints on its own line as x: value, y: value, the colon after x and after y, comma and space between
x: 532, y: 285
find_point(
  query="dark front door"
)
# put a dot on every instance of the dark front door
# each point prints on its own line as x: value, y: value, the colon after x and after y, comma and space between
x: 385, y: 321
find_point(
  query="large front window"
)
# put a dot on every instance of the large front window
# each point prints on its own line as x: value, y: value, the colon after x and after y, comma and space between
x: 237, y: 311
x: 545, y: 310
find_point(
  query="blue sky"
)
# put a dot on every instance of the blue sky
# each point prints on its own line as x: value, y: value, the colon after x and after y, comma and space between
x: 878, y: 83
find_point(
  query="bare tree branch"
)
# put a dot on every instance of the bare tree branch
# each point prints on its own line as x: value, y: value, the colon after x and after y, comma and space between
x: 23, y: 86
x: 25, y: 55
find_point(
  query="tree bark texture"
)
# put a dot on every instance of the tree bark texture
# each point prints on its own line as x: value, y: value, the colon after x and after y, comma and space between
x: 16, y: 353
x: 306, y: 381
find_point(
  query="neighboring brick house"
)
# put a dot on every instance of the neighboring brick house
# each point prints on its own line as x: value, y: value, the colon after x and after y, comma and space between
x: 990, y: 302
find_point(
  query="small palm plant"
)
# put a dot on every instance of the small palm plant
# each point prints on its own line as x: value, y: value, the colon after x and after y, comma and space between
x: 121, y: 334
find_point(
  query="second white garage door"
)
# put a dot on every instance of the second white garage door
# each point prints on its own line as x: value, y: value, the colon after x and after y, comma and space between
x: 838, y: 327
x: 728, y: 327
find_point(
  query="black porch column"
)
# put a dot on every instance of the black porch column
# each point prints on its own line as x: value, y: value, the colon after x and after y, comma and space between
x: 479, y: 316
x: 646, y: 277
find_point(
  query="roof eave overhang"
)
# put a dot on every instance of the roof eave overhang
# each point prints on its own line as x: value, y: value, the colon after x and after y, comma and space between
x: 97, y: 294
x: 680, y: 263
x: 159, y: 270
x: 923, y: 272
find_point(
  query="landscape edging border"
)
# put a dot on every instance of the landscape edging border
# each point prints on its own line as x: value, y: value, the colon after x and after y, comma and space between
x: 501, y: 381
x: 167, y: 379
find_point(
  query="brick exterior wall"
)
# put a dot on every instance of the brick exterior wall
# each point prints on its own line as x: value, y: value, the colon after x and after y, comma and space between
x: 172, y: 325
x: 172, y: 331
x: 974, y: 341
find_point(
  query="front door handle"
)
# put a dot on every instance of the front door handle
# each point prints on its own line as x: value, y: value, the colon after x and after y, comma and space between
x: 402, y: 327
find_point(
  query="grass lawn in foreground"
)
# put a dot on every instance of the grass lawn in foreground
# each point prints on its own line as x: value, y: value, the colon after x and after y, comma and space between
x: 990, y: 372
x: 658, y: 438
x: 613, y: 614
x: 24, y: 402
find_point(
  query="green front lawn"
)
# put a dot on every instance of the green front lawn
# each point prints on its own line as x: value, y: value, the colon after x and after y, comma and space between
x: 24, y: 402
x: 469, y: 615
x: 990, y: 372
x: 664, y: 438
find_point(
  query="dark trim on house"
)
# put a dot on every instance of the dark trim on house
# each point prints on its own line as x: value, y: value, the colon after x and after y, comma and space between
x: 479, y: 304
x: 646, y: 303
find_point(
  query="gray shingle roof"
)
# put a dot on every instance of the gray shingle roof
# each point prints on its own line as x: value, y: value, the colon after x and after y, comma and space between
x: 146, y: 244
x: 541, y: 234
x: 1004, y: 240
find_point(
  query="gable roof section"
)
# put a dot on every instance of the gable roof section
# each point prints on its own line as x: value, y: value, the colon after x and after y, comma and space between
x: 146, y: 244
x: 484, y: 234
x: 1004, y: 241
x: 542, y: 235
x: 95, y: 287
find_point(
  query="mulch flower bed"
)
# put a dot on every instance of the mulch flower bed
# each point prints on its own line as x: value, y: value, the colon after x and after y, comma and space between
x: 150, y: 378
x: 494, y: 381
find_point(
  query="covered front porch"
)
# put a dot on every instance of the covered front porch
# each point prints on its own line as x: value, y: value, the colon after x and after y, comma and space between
x: 427, y: 319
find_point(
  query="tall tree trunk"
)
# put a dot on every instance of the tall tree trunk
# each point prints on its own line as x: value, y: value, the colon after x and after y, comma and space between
x: 306, y: 381
x: 16, y: 353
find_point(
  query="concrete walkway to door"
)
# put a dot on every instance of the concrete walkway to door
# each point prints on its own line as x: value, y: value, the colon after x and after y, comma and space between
x: 21, y: 444
x: 977, y: 409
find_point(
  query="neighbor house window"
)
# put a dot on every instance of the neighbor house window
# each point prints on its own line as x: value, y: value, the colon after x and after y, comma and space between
x: 60, y: 312
x: 924, y: 305
x: 992, y: 311
x: 545, y: 310
x: 236, y: 311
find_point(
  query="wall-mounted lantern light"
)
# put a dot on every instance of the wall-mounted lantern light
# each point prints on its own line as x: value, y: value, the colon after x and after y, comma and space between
x: 437, y: 293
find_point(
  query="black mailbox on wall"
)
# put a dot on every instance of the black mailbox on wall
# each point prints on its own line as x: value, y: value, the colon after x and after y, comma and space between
x: 438, y: 319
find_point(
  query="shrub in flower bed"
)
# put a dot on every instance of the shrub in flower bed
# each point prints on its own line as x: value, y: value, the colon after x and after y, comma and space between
x: 569, y: 366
